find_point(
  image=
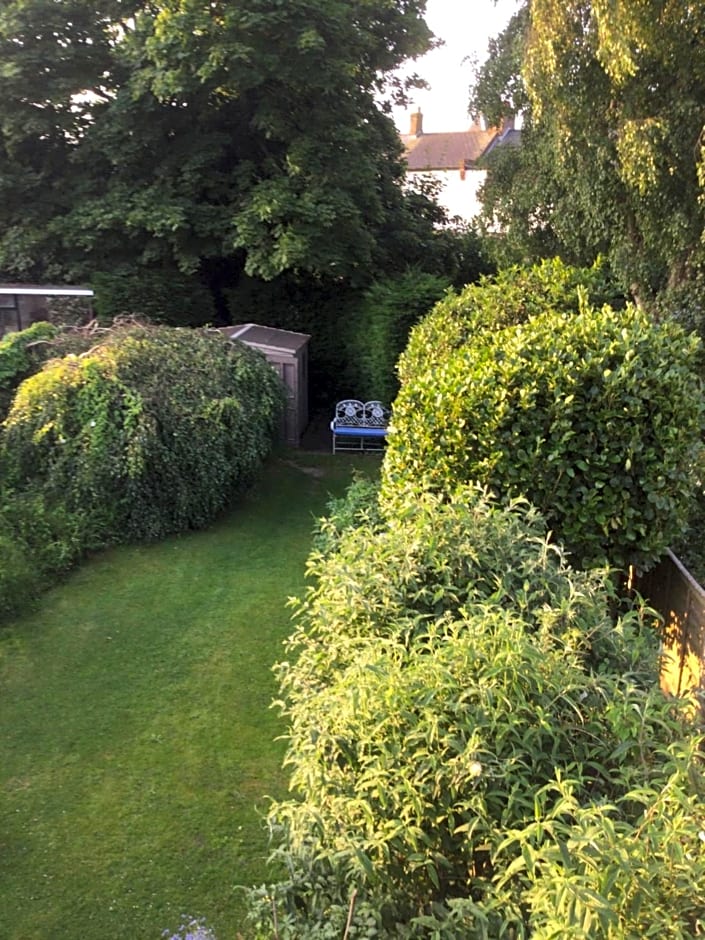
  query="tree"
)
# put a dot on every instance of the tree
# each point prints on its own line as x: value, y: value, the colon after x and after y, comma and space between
x: 613, y: 95
x: 199, y: 136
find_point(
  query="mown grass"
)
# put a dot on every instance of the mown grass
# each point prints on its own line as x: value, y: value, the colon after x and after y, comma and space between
x: 137, y: 745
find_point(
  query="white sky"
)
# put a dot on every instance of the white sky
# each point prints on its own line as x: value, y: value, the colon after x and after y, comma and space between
x: 466, y: 26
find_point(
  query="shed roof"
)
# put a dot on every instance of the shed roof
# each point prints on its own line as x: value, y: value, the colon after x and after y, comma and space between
x: 267, y: 337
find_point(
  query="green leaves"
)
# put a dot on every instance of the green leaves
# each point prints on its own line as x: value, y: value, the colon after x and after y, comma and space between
x: 476, y: 748
x: 152, y: 431
x: 178, y: 134
x: 594, y: 415
x: 610, y: 161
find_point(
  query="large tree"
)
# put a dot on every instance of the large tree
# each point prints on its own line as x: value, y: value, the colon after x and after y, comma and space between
x: 186, y: 134
x: 612, y: 161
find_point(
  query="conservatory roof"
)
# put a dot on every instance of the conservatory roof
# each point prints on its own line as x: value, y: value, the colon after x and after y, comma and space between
x: 46, y: 290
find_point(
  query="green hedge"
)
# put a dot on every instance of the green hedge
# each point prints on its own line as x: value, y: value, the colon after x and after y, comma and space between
x: 595, y: 415
x: 153, y: 431
x: 376, y: 332
x: 511, y: 297
x: 162, y: 295
x: 477, y: 749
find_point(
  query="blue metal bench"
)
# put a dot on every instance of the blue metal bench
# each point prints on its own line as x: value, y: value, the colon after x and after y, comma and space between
x: 359, y: 426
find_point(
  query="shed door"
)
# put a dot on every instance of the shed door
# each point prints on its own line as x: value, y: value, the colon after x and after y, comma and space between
x: 287, y: 373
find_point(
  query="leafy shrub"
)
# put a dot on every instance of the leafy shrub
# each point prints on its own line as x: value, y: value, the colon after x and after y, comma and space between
x: 19, y: 575
x: 153, y: 431
x: 24, y: 353
x: 478, y: 748
x: 596, y: 416
x: 52, y: 536
x: 512, y: 297
x: 359, y: 505
x: 38, y: 541
x: 376, y: 334
x: 21, y: 354
x: 164, y: 296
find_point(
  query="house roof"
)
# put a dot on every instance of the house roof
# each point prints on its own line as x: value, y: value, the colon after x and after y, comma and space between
x: 447, y: 151
x: 510, y: 138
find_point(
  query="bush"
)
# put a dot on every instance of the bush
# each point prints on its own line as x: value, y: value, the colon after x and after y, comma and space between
x: 478, y: 748
x: 511, y: 297
x: 38, y: 542
x: 376, y: 334
x: 596, y: 416
x: 164, y: 296
x: 20, y: 577
x: 154, y: 431
x: 21, y: 354
x: 359, y: 506
x: 24, y: 353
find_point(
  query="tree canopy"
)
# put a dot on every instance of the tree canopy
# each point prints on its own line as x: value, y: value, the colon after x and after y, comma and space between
x: 613, y: 157
x: 180, y: 133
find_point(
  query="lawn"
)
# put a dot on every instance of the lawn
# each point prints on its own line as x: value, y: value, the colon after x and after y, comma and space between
x: 137, y: 746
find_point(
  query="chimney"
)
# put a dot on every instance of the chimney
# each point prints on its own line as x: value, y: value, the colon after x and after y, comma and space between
x: 416, y: 129
x: 507, y: 124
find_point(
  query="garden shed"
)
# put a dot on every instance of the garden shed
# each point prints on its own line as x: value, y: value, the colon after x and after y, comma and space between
x: 287, y: 353
x: 24, y: 304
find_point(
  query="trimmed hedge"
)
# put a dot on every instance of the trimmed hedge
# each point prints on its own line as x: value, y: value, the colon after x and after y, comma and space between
x: 511, y: 297
x: 164, y: 296
x: 595, y: 415
x: 375, y: 335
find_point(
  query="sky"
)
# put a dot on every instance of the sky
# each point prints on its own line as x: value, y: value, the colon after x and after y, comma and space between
x: 466, y: 26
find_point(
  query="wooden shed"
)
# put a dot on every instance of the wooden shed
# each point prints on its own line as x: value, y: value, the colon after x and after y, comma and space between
x: 24, y: 304
x: 287, y: 353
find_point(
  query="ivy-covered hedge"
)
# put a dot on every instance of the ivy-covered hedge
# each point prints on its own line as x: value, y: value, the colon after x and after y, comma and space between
x: 152, y: 431
x: 477, y: 748
x: 595, y: 415
x: 25, y: 352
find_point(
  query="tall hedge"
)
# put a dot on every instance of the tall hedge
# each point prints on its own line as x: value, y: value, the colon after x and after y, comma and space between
x: 595, y: 415
x: 477, y: 749
x: 164, y: 295
x: 377, y: 330
x: 152, y: 431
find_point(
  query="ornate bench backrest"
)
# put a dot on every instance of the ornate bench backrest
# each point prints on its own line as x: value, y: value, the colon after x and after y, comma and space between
x: 350, y: 413
x: 376, y: 415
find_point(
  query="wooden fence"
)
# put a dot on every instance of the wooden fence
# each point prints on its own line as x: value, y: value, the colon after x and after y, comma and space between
x: 677, y: 596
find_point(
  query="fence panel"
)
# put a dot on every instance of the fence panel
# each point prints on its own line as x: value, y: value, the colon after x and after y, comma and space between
x: 677, y: 596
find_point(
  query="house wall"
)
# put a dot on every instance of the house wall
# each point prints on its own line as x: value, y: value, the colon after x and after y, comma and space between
x: 458, y: 196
